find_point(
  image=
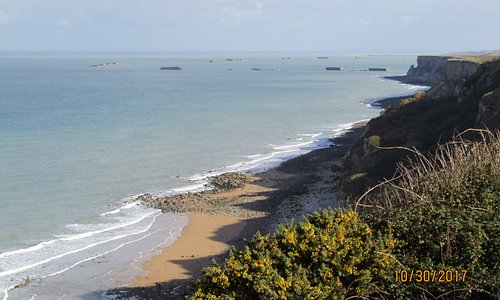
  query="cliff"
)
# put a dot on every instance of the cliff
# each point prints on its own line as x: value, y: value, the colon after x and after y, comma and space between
x: 425, y: 119
x: 434, y: 69
x: 443, y: 73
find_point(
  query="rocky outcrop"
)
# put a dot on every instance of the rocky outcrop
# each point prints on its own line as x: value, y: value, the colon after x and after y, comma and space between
x: 484, y: 87
x: 212, y: 200
x: 489, y: 109
x: 454, y: 73
x: 228, y: 181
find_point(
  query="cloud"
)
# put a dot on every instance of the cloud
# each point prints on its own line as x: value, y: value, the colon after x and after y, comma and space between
x: 409, y: 19
x: 238, y: 13
x: 362, y: 22
x: 4, y: 18
x: 258, y: 5
x: 63, y: 22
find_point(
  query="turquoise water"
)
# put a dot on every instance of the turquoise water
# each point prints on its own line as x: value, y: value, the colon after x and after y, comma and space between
x: 77, y: 142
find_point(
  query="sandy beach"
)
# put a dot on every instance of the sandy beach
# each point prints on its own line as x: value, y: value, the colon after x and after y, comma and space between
x: 205, y: 237
x: 219, y: 220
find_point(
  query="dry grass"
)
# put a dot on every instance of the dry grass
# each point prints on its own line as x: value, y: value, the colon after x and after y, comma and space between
x: 476, y: 58
x: 452, y: 165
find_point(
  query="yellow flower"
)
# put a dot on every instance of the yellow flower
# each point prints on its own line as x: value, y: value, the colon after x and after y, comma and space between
x: 391, y: 243
x: 291, y: 238
x: 283, y: 284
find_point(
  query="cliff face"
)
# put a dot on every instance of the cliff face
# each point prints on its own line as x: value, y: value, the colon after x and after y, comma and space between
x: 489, y: 109
x: 443, y: 73
x: 484, y: 87
x: 424, y: 120
x: 434, y: 69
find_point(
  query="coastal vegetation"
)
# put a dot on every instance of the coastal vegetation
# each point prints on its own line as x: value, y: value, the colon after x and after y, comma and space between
x: 328, y: 255
x: 443, y: 210
x: 476, y: 58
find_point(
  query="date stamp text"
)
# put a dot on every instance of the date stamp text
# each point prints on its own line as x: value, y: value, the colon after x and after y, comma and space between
x: 444, y: 276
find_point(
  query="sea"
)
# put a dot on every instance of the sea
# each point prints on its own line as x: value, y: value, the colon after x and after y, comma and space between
x: 79, y: 142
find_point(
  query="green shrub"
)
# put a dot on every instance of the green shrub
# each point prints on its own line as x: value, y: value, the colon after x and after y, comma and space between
x: 444, y: 210
x: 371, y: 143
x: 415, y: 98
x: 328, y: 255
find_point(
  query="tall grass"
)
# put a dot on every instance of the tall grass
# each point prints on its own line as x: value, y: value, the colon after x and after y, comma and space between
x: 451, y: 167
x: 444, y: 210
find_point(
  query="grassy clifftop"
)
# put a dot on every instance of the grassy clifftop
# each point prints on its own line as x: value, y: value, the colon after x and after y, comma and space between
x: 480, y: 59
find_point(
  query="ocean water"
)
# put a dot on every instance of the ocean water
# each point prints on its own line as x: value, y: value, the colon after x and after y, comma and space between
x: 77, y: 143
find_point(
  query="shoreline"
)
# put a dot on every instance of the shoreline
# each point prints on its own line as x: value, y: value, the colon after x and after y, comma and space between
x: 222, y: 219
x: 205, y: 237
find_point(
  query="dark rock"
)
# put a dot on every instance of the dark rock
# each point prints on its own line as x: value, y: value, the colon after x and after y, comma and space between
x: 227, y: 181
x: 489, y: 109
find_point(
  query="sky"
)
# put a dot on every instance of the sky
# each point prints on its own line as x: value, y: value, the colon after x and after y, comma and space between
x: 364, y: 26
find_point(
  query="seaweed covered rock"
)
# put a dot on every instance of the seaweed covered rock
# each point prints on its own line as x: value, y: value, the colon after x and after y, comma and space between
x: 228, y: 181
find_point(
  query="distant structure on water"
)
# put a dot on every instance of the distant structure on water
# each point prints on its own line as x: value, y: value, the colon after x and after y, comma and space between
x: 377, y: 69
x: 108, y: 64
x: 175, y: 68
x: 334, y: 68
x: 259, y: 69
x: 322, y: 57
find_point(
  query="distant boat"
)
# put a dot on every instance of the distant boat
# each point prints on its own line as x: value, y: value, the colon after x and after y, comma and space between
x: 322, y: 57
x: 377, y: 69
x: 256, y: 69
x: 176, y: 68
x: 334, y: 68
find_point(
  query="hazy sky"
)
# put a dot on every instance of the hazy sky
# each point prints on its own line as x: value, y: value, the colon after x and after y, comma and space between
x: 298, y: 25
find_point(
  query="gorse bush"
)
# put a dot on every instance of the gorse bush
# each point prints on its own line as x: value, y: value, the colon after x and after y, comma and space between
x: 328, y: 255
x: 444, y: 211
